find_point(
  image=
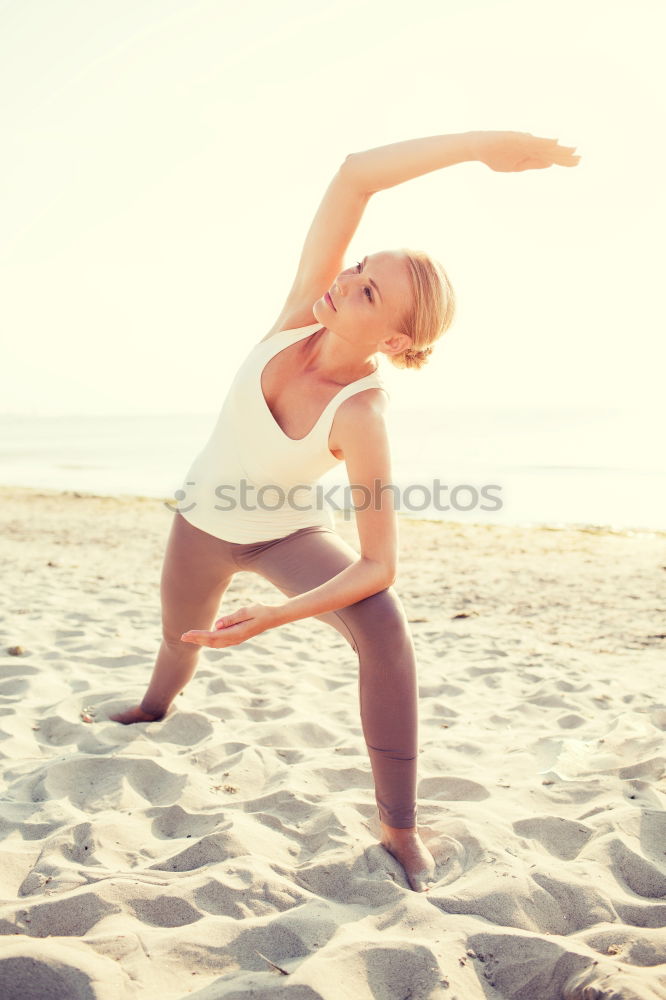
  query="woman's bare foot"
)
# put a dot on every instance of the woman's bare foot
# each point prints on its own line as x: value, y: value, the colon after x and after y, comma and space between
x: 407, y: 847
x: 135, y: 714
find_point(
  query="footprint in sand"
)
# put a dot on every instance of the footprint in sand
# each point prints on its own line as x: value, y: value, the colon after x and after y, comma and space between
x: 561, y: 837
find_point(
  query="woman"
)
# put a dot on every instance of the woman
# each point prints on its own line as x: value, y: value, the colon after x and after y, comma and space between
x: 306, y: 397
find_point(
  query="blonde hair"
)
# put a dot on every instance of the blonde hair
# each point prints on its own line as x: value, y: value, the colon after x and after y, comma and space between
x: 431, y: 311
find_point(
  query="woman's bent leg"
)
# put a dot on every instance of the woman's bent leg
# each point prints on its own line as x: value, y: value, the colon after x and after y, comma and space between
x: 197, y: 570
x: 377, y: 629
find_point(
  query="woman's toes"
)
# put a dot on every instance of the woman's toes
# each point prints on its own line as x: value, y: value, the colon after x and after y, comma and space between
x: 421, y: 881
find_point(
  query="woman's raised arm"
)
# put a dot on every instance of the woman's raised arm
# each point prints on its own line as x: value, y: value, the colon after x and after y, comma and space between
x: 322, y: 256
x: 386, y: 166
x: 363, y: 174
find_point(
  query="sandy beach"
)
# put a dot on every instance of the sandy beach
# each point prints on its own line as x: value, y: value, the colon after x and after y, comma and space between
x: 231, y: 850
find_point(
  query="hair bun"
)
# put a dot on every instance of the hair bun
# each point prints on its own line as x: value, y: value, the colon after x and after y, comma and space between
x: 420, y: 354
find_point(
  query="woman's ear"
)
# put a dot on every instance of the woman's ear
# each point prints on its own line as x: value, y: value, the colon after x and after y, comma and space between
x: 395, y: 343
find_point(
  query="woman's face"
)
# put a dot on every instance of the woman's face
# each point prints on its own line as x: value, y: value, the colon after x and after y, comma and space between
x: 365, y: 303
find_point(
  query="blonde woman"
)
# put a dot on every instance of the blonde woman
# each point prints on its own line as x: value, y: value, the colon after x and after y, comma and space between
x: 309, y: 396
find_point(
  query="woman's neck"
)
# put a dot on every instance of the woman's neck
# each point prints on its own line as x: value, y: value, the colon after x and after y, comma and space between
x: 332, y: 358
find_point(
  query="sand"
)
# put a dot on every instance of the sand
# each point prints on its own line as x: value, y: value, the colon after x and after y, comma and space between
x: 231, y: 850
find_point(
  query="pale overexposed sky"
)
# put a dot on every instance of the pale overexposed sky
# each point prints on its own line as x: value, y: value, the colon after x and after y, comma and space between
x: 163, y: 161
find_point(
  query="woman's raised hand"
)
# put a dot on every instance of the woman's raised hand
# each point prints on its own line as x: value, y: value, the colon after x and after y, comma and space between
x: 513, y: 151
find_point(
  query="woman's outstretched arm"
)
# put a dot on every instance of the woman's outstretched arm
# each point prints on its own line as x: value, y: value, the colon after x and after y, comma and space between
x: 364, y: 173
x: 384, y: 167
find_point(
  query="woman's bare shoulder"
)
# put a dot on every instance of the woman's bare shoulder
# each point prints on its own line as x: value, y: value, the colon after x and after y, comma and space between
x: 367, y: 403
x: 367, y: 409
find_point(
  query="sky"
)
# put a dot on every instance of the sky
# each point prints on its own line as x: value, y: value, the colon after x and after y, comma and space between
x: 163, y: 160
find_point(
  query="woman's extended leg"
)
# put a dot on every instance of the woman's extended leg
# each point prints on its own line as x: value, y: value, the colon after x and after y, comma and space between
x: 197, y: 570
x: 376, y: 627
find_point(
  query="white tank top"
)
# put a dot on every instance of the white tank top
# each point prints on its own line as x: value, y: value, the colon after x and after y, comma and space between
x: 251, y: 482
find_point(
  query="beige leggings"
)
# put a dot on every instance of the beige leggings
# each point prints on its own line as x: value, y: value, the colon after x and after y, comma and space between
x: 196, y: 572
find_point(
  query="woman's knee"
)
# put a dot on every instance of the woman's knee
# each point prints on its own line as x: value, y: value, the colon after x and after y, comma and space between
x: 379, y: 619
x: 385, y: 606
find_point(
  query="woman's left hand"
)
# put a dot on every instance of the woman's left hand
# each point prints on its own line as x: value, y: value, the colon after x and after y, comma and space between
x: 232, y: 629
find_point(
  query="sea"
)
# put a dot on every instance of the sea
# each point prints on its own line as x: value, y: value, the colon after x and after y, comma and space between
x: 555, y: 465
